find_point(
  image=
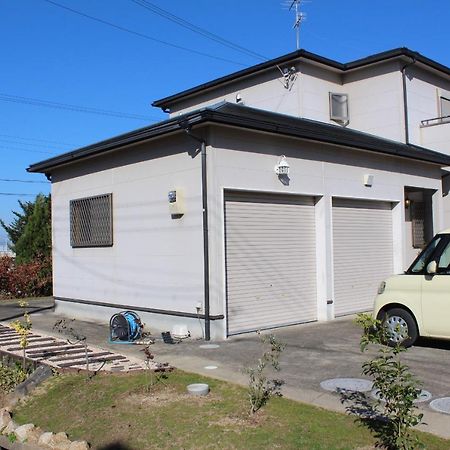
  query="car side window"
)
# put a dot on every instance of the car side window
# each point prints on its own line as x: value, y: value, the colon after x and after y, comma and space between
x: 444, y: 260
x: 422, y: 260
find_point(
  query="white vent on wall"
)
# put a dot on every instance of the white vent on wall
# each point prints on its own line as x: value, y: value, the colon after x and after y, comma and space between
x: 339, y: 108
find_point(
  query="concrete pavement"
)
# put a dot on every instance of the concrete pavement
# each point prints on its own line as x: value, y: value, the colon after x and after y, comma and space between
x: 314, y: 352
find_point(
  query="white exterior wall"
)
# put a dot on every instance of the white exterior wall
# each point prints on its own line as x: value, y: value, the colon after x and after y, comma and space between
x: 156, y: 261
x: 308, y: 96
x: 245, y: 161
x: 436, y: 137
x: 376, y: 100
x: 424, y: 90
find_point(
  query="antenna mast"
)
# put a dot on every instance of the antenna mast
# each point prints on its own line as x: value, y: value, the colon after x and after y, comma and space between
x: 300, y: 17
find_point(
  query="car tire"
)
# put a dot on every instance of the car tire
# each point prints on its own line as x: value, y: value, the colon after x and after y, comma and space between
x: 401, y: 327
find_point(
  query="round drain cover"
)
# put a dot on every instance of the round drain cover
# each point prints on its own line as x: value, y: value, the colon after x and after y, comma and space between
x: 346, y: 384
x: 209, y: 346
x: 441, y: 405
x: 424, y: 396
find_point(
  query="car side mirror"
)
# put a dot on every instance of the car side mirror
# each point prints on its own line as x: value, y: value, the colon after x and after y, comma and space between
x: 432, y: 268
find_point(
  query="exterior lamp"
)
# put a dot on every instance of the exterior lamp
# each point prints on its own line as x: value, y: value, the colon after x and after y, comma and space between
x: 407, y: 202
x: 282, y: 167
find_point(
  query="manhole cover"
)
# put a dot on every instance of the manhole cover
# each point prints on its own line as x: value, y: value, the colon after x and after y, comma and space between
x: 209, y: 346
x: 346, y: 384
x: 424, y: 396
x: 441, y: 405
x: 210, y: 367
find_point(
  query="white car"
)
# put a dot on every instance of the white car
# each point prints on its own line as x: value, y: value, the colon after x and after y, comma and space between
x: 417, y: 303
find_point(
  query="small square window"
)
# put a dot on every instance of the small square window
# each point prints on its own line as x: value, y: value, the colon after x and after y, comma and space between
x: 339, y: 107
x: 445, y: 107
x: 91, y: 221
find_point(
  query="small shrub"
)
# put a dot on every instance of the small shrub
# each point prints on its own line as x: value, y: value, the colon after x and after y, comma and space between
x: 398, y: 388
x: 33, y: 279
x: 23, y: 329
x: 11, y: 376
x: 260, y: 388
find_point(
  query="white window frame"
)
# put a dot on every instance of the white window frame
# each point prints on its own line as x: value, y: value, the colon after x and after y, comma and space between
x: 337, y: 117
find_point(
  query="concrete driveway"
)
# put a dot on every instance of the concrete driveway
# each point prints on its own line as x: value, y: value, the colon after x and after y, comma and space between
x: 314, y: 352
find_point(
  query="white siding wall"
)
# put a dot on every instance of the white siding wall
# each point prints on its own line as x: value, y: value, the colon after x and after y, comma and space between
x: 156, y: 261
x: 245, y: 161
x: 423, y: 99
x: 376, y: 100
x: 308, y: 96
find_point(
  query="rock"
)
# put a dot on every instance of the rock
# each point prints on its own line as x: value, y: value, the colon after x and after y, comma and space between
x: 45, y: 438
x: 79, y: 445
x: 5, y: 418
x: 10, y: 428
x: 59, y: 441
x: 23, y: 431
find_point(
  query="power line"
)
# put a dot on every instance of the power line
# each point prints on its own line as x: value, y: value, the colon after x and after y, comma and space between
x: 37, y: 140
x: 69, y: 107
x: 142, y: 35
x: 196, y: 29
x: 12, y: 194
x: 8, y: 147
x: 31, y: 144
x: 10, y: 180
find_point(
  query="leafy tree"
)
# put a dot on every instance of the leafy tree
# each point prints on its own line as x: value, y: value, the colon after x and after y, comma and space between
x: 15, y: 229
x: 36, y: 239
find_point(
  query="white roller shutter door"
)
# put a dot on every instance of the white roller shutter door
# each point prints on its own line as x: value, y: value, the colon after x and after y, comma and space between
x: 270, y: 261
x: 363, y: 252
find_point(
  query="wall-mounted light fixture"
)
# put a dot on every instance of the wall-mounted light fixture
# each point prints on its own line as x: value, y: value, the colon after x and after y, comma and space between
x: 282, y: 167
x: 368, y: 180
x: 407, y: 202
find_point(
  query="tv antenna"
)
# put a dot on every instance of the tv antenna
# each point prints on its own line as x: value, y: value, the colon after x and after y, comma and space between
x: 300, y: 17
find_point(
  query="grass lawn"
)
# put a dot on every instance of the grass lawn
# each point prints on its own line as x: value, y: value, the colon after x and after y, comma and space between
x: 117, y: 412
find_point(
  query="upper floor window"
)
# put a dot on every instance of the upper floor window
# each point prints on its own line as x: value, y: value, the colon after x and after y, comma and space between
x: 339, y: 108
x: 91, y: 221
x: 445, y: 107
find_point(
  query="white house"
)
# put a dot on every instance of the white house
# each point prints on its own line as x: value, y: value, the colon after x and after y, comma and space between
x: 280, y: 194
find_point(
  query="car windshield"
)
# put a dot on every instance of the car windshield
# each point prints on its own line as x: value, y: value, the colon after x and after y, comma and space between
x: 419, y: 264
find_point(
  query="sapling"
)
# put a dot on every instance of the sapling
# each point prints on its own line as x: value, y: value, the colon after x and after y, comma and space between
x: 397, y: 388
x: 73, y: 337
x: 260, y: 388
x: 153, y: 376
x: 23, y: 329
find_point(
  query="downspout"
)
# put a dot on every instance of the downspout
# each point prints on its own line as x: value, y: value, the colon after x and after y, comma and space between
x: 202, y: 141
x: 405, y: 98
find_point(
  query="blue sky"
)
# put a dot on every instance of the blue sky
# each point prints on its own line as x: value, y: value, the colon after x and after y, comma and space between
x: 51, y: 54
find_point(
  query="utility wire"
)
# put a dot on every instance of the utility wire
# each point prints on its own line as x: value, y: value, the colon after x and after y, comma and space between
x: 142, y: 35
x: 196, y: 29
x: 66, y: 106
x: 12, y: 194
x: 10, y: 180
x: 37, y: 140
x: 8, y: 147
x: 31, y: 144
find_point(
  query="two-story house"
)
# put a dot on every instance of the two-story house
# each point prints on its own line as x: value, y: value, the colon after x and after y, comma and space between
x: 280, y: 194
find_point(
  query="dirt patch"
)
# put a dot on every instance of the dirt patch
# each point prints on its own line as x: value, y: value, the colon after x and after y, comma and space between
x: 241, y: 422
x: 166, y: 396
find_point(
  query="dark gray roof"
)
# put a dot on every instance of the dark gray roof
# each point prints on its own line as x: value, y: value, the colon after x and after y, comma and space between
x: 251, y: 119
x: 379, y: 57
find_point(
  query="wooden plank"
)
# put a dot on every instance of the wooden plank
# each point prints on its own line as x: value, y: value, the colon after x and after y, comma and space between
x: 53, y: 344
x: 95, y: 360
x: 69, y: 358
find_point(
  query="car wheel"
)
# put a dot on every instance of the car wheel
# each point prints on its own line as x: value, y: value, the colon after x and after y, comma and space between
x: 401, y: 327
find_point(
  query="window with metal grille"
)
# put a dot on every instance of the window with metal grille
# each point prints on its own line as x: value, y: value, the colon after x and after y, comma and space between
x: 91, y: 221
x: 418, y: 224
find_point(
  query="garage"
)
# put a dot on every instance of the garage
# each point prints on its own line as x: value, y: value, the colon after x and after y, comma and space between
x: 363, y: 252
x: 270, y: 262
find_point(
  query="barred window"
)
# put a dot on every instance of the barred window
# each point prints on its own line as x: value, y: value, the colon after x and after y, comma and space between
x: 91, y: 221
